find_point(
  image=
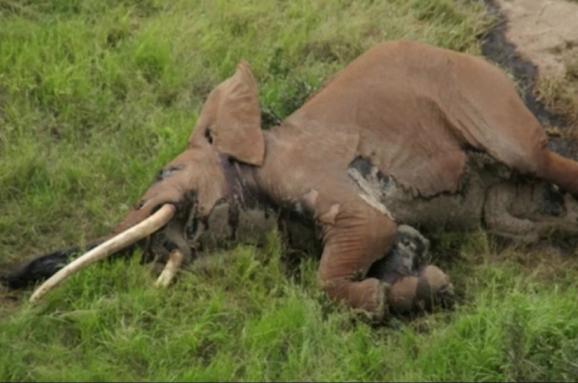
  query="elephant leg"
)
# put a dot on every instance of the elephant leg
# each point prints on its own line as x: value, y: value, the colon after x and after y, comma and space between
x: 429, y: 287
x: 523, y: 213
x: 543, y: 163
x: 353, y: 243
x: 358, y: 237
x: 533, y: 157
x: 501, y: 222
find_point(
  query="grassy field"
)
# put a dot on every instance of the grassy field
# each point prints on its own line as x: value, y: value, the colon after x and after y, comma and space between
x: 95, y: 96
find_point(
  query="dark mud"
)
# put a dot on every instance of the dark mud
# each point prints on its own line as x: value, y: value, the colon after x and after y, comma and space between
x: 499, y: 50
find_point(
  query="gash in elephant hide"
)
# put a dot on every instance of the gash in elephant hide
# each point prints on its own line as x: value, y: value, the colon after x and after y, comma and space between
x: 407, y: 134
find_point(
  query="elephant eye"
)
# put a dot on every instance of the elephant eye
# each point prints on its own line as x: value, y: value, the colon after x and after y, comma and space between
x: 209, y: 135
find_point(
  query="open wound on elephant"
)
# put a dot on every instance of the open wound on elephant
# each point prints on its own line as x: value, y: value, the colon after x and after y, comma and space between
x: 372, y: 183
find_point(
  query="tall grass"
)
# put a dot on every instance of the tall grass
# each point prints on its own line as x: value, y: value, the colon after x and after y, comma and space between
x: 96, y: 95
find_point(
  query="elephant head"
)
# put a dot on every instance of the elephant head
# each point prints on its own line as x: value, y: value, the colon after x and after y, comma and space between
x: 228, y: 129
x: 227, y: 134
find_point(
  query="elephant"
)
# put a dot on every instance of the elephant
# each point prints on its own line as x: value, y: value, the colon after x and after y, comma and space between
x: 406, y: 136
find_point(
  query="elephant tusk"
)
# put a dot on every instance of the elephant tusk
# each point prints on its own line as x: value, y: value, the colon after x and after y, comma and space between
x: 111, y: 246
x: 173, y: 264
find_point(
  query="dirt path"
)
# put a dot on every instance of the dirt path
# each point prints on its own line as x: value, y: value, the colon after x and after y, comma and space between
x: 545, y: 31
x: 537, y: 40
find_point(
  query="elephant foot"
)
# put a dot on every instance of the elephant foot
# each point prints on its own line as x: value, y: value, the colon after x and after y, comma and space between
x: 431, y: 287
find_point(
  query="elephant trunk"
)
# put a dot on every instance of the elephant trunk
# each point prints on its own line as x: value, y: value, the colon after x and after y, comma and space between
x: 107, y: 248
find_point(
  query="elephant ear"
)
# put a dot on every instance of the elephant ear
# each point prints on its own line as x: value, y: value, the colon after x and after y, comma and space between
x: 237, y: 126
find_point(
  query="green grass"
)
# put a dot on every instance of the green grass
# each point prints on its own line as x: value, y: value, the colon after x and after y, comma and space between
x: 96, y: 95
x: 243, y: 317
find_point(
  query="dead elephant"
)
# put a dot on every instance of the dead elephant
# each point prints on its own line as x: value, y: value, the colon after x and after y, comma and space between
x: 406, y: 134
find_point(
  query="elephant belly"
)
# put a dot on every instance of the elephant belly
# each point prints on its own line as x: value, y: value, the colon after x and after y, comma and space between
x: 460, y: 210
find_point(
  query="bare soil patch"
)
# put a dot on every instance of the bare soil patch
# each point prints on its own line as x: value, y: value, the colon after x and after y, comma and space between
x: 545, y: 31
x: 537, y: 41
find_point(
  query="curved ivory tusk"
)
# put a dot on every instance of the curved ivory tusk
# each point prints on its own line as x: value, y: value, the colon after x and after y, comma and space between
x: 116, y: 243
x: 173, y: 264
